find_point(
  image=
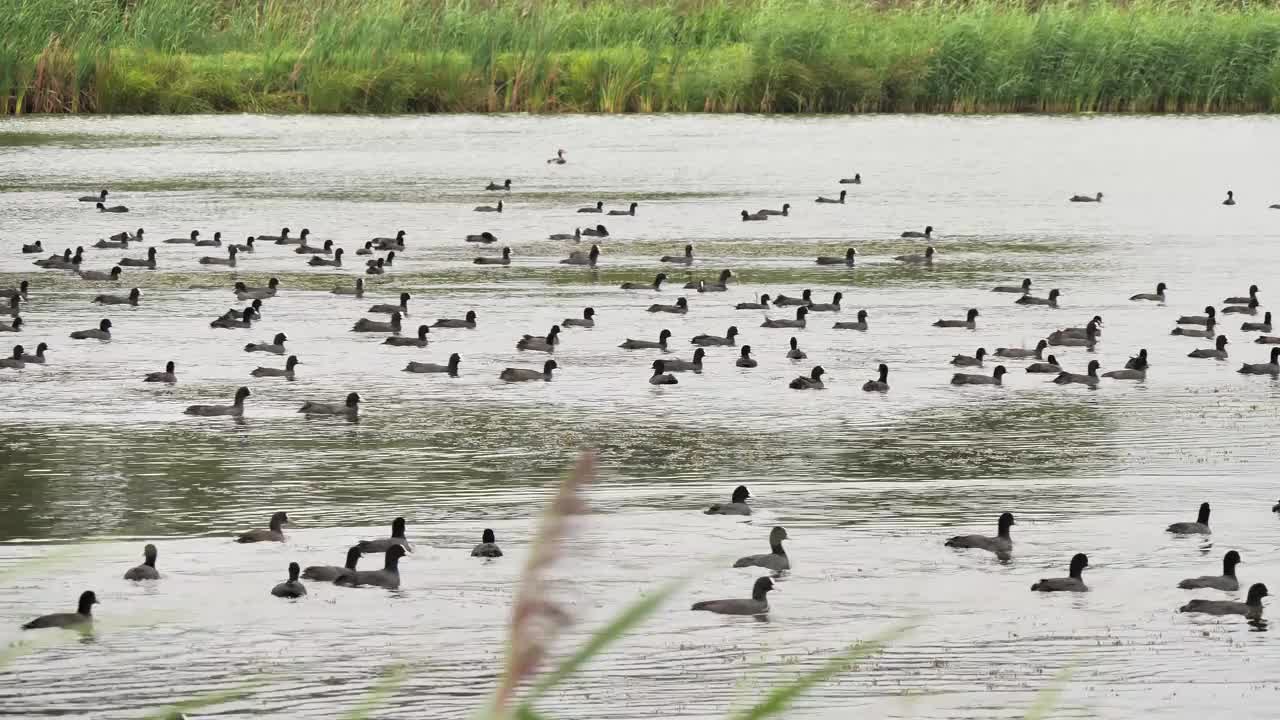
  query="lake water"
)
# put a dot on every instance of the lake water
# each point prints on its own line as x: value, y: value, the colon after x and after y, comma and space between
x: 97, y: 463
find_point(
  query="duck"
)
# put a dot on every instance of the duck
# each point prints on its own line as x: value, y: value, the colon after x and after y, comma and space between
x: 287, y: 372
x: 661, y: 344
x: 1157, y: 296
x: 1219, y: 351
x: 1022, y: 289
x: 1252, y: 296
x: 317, y: 261
x: 1072, y: 583
x: 680, y: 308
x: 1062, y: 339
x: 100, y: 197
x: 82, y: 618
x: 22, y: 290
x: 631, y: 211
x: 729, y: 338
x: 849, y: 255
x: 795, y: 353
x: 163, y: 376
x: 244, y: 292
x: 386, y: 243
x: 655, y: 285
x: 281, y: 239
x: 776, y: 559
x: 588, y: 319
x: 235, y: 409
x: 974, y: 360
x: 597, y: 208
x: 13, y: 309
x: 1090, y: 379
x: 113, y: 209
x: 276, y: 345
x: 524, y: 374
x: 388, y: 577
x: 1250, y: 608
x: 784, y: 212
x: 1264, y: 326
x: 121, y: 244
x: 367, y: 249
x: 762, y: 303
x: 835, y: 201
x: 660, y: 375
x: 678, y: 365
x: 757, y: 605
x: 744, y: 359
x: 1086, y: 198
x: 798, y: 322
x: 855, y: 180
x: 589, y: 258
x: 272, y: 533
x: 356, y: 291
x: 13, y: 326
x: 833, y: 306
x: 1231, y: 198
x: 488, y: 547
x: 468, y: 322
x: 558, y: 159
x: 1051, y: 301
x: 1001, y: 544
x: 254, y: 308
x: 546, y: 343
x: 813, y: 382
x: 98, y: 275
x: 148, y: 262
x: 102, y: 332
x: 147, y: 570
x: 505, y: 185
x: 1128, y: 373
x: 504, y: 260
x: 246, y: 246
x: 1050, y: 366
x: 330, y: 573
x: 383, y: 544
x: 382, y: 262
x: 35, y: 247
x: 1250, y: 309
x: 189, y: 240
x: 245, y: 320
x: 597, y: 231
x: 1262, y: 340
x: 753, y: 217
x: 1037, y: 353
x: 387, y: 308
x: 576, y: 235
x: 367, y: 325
x: 880, y: 384
x: 350, y: 408
x: 685, y: 259
x: 1137, y: 362
x: 927, y: 234
x: 720, y: 285
x: 484, y: 238
x: 489, y: 208
x: 995, y: 378
x: 861, y: 324
x: 1267, y: 368
x: 969, y: 322
x: 451, y: 369
x: 1209, y: 331
x: 419, y: 341
x: 737, y: 504
x: 1199, y: 527
x: 1226, y: 581
x: 229, y: 260
x: 925, y: 259
x: 1208, y: 318
x: 38, y: 358
x: 291, y: 588
x: 15, y: 362
x: 805, y: 299
x: 215, y: 242
x: 376, y: 267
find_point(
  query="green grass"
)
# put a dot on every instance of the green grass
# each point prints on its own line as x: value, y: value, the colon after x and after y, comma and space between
x: 545, y: 56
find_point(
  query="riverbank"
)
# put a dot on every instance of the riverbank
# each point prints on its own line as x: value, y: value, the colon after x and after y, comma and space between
x: 550, y: 56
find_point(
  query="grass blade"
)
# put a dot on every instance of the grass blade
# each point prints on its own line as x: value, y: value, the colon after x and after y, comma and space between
x: 178, y: 709
x: 392, y: 678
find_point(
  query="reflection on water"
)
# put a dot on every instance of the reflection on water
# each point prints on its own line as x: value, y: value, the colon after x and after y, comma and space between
x: 868, y: 485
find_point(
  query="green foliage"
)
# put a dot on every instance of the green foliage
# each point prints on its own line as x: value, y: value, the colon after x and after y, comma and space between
x: 394, y: 56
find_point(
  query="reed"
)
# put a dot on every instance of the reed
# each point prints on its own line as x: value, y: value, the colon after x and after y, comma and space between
x: 546, y: 56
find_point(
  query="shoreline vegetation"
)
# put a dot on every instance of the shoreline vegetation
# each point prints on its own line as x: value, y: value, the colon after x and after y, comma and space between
x: 620, y: 56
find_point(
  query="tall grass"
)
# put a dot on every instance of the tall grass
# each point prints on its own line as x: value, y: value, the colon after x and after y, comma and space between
x: 396, y: 56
